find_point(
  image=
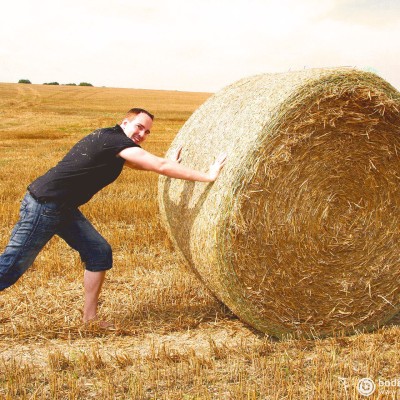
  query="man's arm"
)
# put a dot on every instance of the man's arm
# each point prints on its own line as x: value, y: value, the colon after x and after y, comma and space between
x: 138, y: 158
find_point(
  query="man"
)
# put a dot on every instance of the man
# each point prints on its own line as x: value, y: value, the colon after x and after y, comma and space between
x: 50, y: 206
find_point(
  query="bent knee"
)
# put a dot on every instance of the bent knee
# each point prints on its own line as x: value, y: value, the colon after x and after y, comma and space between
x: 100, y: 258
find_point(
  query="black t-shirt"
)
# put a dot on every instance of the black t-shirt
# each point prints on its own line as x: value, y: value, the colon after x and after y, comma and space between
x: 88, y: 167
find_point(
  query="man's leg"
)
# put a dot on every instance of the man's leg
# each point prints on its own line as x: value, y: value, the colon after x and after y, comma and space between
x: 36, y: 225
x: 96, y: 254
x: 92, y: 282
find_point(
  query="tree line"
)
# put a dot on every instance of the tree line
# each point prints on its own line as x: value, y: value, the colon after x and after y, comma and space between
x: 56, y: 83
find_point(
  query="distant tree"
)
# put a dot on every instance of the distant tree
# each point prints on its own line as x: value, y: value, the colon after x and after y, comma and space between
x: 24, y: 81
x: 51, y: 83
x: 70, y: 84
x: 85, y: 84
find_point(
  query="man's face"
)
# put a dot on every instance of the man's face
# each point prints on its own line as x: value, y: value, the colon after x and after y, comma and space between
x: 138, y: 128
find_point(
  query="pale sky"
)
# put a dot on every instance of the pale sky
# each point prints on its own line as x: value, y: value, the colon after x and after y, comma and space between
x: 193, y: 45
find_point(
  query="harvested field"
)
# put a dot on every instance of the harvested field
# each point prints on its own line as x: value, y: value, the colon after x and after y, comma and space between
x: 172, y: 339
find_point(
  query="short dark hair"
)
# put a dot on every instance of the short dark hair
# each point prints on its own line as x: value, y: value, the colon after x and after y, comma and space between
x: 137, y: 111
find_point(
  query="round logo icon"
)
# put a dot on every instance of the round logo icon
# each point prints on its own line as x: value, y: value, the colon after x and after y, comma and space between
x: 366, y: 386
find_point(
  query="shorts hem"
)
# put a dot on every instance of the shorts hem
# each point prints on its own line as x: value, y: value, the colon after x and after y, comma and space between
x: 97, y: 268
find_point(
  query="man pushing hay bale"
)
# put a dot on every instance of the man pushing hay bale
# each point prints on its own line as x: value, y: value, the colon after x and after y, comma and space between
x: 300, y: 233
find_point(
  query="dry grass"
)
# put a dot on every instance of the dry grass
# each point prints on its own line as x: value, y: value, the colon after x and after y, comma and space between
x: 172, y: 340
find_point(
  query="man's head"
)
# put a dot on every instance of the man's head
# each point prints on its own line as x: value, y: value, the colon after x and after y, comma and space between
x: 137, y: 124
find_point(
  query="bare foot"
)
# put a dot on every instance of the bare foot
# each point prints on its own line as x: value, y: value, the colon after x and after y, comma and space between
x: 97, y: 323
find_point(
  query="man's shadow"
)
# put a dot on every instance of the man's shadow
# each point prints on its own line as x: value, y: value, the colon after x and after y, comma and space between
x: 181, y: 217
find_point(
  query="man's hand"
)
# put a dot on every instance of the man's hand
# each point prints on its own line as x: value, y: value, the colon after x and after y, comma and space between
x: 176, y: 155
x: 216, y: 166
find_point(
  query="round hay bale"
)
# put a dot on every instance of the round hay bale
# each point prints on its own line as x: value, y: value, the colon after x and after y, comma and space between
x: 300, y: 233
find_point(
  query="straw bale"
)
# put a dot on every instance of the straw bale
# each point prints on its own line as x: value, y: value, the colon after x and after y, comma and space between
x: 300, y: 233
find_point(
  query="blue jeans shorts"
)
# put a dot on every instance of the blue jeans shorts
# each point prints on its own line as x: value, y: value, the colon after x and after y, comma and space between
x: 37, y: 224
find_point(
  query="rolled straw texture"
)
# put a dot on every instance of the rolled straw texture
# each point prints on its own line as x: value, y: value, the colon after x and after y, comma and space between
x: 300, y: 232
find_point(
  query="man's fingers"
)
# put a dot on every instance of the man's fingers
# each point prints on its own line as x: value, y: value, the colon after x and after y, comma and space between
x: 221, y: 159
x: 178, y: 151
x: 177, y: 154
